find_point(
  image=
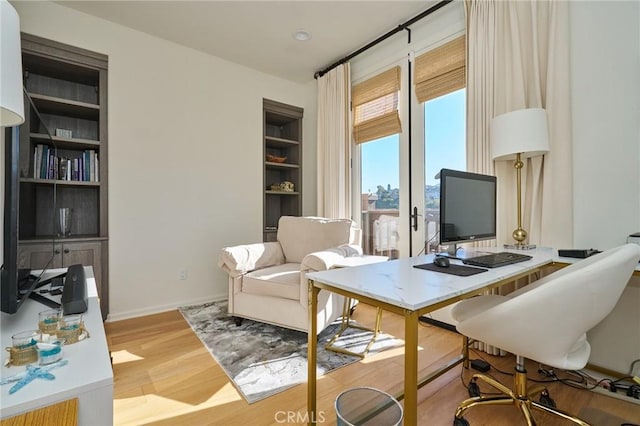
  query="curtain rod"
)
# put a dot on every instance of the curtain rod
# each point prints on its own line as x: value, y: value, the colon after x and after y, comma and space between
x: 383, y: 37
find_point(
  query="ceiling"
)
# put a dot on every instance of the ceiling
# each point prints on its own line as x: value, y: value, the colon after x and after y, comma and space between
x: 258, y: 34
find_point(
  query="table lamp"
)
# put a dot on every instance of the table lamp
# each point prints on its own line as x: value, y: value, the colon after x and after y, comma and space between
x: 518, y: 135
x: 11, y: 101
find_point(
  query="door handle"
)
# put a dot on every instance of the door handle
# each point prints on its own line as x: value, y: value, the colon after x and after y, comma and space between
x: 66, y: 250
x: 414, y: 218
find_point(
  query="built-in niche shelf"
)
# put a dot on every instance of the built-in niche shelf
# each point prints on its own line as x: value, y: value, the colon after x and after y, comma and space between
x: 282, y: 138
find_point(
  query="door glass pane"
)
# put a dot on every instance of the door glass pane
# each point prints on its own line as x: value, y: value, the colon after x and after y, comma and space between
x: 380, y: 183
x: 445, y: 147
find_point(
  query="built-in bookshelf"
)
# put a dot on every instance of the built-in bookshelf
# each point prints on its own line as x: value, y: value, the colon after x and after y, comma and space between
x: 63, y: 159
x: 282, y: 134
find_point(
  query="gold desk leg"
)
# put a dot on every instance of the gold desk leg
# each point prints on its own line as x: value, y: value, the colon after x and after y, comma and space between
x: 311, y: 353
x: 410, y: 368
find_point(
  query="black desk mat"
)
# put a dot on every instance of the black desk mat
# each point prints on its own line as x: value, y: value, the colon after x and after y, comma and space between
x: 459, y: 270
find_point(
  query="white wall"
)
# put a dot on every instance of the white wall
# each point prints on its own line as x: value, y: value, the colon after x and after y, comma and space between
x: 185, y: 157
x: 605, y: 84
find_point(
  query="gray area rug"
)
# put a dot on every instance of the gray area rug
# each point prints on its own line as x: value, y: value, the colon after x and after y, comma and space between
x: 262, y: 359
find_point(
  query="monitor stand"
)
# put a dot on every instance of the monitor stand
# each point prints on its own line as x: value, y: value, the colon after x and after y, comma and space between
x: 459, y: 253
x: 45, y: 300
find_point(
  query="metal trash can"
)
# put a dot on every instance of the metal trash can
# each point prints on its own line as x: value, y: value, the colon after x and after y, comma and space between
x: 367, y: 406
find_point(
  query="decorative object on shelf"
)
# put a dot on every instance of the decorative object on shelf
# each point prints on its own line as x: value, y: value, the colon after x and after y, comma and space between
x: 286, y: 186
x: 515, y: 136
x: 64, y: 133
x: 64, y: 221
x: 276, y: 159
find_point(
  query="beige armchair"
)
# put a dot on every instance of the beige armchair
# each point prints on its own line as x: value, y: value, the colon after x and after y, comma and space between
x: 267, y: 281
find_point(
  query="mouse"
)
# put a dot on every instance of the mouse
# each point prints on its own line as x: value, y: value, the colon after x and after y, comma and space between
x: 441, y: 261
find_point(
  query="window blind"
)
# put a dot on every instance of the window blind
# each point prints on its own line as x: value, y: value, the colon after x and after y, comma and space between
x: 441, y: 70
x: 375, y: 106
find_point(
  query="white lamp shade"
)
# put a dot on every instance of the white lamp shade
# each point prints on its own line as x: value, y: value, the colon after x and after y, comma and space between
x: 523, y: 131
x: 11, y: 100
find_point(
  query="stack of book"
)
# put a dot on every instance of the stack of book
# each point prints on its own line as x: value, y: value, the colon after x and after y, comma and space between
x: 83, y: 167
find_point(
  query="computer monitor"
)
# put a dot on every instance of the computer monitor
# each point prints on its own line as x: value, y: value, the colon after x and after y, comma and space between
x: 467, y: 208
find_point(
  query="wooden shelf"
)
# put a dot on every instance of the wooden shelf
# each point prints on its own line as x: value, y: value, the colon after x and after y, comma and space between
x: 65, y: 143
x: 59, y: 182
x: 273, y: 165
x: 270, y: 192
x: 273, y: 142
x: 61, y: 106
x: 56, y: 239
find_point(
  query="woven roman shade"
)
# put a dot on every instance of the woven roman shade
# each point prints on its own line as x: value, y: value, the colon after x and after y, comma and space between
x: 441, y: 70
x: 375, y: 106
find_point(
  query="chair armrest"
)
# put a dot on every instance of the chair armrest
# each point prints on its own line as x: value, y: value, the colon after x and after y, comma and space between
x: 327, y: 259
x: 239, y: 260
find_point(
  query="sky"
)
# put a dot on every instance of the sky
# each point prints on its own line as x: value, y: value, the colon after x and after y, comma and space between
x: 445, y: 145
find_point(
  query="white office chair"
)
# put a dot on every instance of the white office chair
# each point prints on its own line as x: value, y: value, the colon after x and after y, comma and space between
x: 547, y: 322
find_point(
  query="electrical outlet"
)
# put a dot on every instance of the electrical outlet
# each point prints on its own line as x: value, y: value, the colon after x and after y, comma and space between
x: 182, y: 274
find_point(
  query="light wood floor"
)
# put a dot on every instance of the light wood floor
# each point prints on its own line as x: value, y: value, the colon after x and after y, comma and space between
x: 165, y: 376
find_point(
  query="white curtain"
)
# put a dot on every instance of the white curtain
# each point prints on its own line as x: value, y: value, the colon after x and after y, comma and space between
x: 334, y: 143
x: 518, y: 57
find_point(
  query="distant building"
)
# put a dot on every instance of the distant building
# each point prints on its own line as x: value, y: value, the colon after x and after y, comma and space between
x: 369, y: 202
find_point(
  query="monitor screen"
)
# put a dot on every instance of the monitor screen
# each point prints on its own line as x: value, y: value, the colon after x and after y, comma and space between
x: 467, y: 207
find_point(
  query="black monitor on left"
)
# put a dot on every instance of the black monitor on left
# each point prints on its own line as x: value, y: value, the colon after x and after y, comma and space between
x: 16, y: 284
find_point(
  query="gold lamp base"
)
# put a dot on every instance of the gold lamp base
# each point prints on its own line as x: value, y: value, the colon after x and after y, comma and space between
x: 520, y: 235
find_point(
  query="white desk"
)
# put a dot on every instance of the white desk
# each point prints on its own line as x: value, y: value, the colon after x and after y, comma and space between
x: 398, y: 287
x: 88, y: 375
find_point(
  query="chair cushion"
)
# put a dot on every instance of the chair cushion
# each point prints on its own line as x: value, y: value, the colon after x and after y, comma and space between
x: 276, y: 281
x: 300, y: 236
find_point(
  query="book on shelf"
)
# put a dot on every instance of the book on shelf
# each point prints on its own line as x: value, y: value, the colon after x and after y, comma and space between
x: 83, y: 166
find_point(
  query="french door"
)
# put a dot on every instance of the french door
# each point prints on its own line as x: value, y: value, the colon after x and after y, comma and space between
x: 396, y: 180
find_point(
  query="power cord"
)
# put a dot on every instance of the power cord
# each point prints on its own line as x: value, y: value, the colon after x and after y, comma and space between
x: 581, y: 381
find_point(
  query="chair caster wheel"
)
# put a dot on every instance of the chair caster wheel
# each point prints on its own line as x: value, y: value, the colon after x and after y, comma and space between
x: 473, y: 388
x: 545, y: 399
x: 237, y: 321
x: 460, y: 421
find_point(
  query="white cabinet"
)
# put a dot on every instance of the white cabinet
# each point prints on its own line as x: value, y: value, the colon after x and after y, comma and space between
x: 88, y: 376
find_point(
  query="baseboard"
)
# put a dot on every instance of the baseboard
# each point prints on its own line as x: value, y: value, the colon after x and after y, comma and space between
x: 119, y: 316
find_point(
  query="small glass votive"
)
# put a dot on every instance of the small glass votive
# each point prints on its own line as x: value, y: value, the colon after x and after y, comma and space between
x: 48, y: 321
x: 23, y: 349
x: 70, y: 328
x: 50, y: 351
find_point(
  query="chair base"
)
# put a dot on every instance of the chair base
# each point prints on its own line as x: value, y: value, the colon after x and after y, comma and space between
x: 521, y: 397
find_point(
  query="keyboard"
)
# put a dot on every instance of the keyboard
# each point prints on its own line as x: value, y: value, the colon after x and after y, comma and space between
x: 494, y: 260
